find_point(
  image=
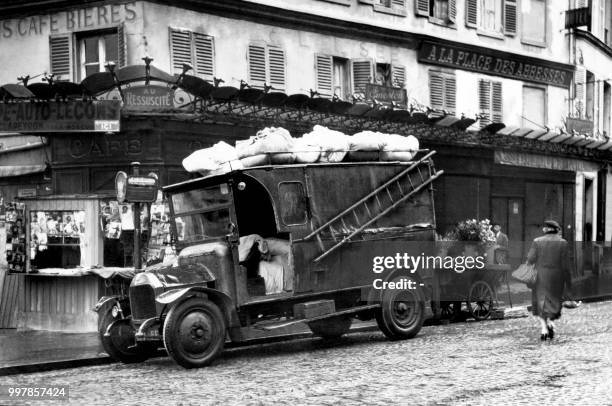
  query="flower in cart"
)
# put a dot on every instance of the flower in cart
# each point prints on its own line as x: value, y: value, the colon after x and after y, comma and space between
x: 479, y: 231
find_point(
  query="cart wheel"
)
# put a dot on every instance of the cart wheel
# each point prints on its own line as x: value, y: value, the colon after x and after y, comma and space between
x: 121, y: 344
x: 194, y: 332
x: 331, y: 328
x: 402, y: 312
x: 480, y: 300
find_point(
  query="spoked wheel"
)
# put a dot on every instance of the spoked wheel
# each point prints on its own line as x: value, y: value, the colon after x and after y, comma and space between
x: 480, y: 300
x: 194, y: 332
x: 402, y: 312
x: 331, y: 328
x: 121, y: 343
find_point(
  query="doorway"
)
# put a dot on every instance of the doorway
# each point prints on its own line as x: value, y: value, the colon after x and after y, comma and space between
x: 508, y: 212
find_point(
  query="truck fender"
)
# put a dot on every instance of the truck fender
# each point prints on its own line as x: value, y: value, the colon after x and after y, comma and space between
x: 225, y: 303
x: 103, y: 301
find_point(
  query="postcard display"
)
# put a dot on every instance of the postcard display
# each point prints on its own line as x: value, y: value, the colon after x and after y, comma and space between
x: 12, y: 222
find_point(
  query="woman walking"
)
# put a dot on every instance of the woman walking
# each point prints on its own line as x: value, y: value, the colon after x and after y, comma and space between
x: 549, y: 253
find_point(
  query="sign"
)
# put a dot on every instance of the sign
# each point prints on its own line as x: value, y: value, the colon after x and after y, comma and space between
x: 386, y: 94
x: 496, y: 63
x: 26, y: 192
x: 149, y: 98
x: 578, y: 17
x: 56, y: 116
x: 135, y: 188
x: 579, y: 125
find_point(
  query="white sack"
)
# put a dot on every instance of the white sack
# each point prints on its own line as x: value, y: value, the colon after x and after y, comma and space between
x: 366, y: 141
x: 306, y: 152
x: 268, y: 140
x: 255, y: 160
x: 399, y: 148
x: 210, y: 159
x: 334, y: 144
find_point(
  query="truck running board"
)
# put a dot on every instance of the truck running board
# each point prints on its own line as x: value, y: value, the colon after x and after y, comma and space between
x: 346, y: 312
x: 376, y: 204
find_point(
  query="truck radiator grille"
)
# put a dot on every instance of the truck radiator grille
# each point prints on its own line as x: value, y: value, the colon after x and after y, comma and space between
x: 142, y: 302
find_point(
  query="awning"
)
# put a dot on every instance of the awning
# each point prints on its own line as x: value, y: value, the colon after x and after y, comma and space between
x: 20, y: 170
x: 556, y: 163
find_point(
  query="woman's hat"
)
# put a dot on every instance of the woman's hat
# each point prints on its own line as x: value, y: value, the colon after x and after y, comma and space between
x: 552, y: 224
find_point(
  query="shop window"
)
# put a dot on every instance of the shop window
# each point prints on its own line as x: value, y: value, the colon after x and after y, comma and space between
x: 442, y: 91
x: 533, y: 13
x: 12, y: 230
x: 267, y: 66
x: 490, y: 102
x: 117, y: 222
x: 195, y: 49
x: 56, y: 238
x: 534, y: 107
x: 495, y: 17
x: 440, y: 11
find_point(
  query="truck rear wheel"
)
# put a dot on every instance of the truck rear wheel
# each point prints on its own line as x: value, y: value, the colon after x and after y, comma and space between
x: 402, y: 312
x: 121, y: 343
x: 194, y: 332
x: 331, y: 328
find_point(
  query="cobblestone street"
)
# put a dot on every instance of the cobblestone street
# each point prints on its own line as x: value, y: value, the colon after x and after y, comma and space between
x: 487, y: 363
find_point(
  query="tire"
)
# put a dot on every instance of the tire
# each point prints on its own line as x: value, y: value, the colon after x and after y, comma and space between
x: 120, y: 344
x: 402, y: 312
x: 331, y: 328
x: 194, y: 332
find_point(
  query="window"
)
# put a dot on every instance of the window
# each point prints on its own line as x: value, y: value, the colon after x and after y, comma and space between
x: 443, y: 11
x: 55, y: 239
x: 580, y: 78
x: 332, y: 76
x: 534, y: 107
x: 492, y: 16
x: 195, y: 49
x: 534, y: 21
x: 442, y: 91
x: 266, y: 66
x: 395, y: 7
x: 93, y: 51
x: 293, y: 209
x: 490, y: 102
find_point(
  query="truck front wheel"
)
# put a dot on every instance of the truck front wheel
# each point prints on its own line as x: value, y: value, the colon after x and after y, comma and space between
x: 194, y: 332
x: 402, y: 312
x: 120, y: 344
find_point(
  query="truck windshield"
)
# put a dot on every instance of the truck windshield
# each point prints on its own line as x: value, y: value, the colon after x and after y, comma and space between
x: 202, y: 213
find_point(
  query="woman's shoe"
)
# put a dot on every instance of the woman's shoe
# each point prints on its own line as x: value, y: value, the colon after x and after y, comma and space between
x: 551, y: 332
x: 543, y: 336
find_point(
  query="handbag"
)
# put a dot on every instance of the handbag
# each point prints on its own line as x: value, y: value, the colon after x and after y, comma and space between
x: 525, y: 273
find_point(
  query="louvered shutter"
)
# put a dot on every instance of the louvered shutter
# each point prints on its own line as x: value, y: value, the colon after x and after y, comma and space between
x: 436, y: 91
x: 398, y: 3
x: 510, y: 17
x: 421, y: 7
x: 276, y: 66
x: 180, y: 49
x: 580, y: 90
x: 204, y: 49
x: 323, y: 72
x: 257, y: 65
x: 452, y: 11
x: 484, y: 102
x: 450, y: 93
x: 398, y: 76
x: 121, y: 46
x: 60, y: 56
x: 471, y: 13
x: 497, y: 102
x: 362, y: 73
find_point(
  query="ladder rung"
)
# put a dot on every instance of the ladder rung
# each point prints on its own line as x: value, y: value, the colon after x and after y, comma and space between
x: 332, y: 233
x: 378, y: 201
x: 365, y: 204
x: 399, y: 187
x: 356, y: 217
x: 389, y: 194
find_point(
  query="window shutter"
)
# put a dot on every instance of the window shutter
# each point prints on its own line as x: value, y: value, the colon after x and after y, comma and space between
x: 436, y: 90
x: 204, y: 48
x: 452, y: 11
x: 60, y: 52
x: 121, y: 46
x: 471, y: 13
x: 276, y: 62
x: 510, y: 17
x: 497, y: 102
x: 257, y: 65
x: 323, y: 72
x: 484, y: 102
x: 362, y: 73
x: 398, y: 3
x: 580, y: 90
x: 421, y: 7
x: 180, y: 49
x: 450, y: 93
x: 398, y: 76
